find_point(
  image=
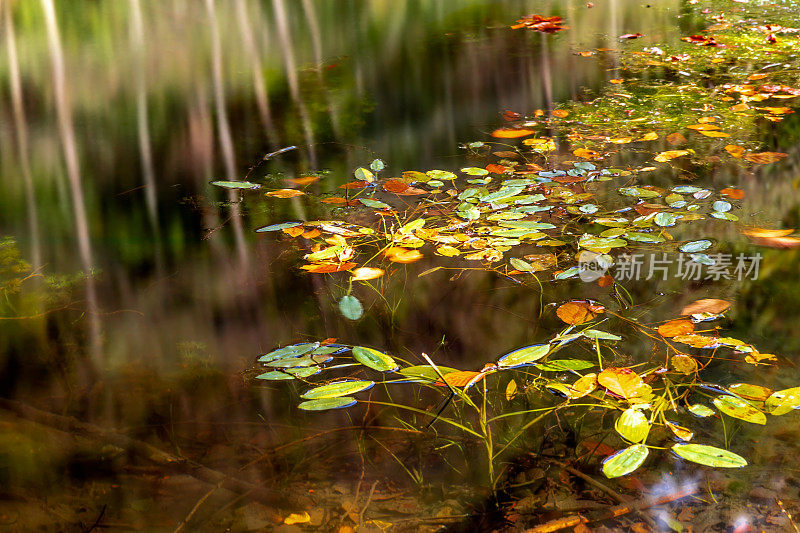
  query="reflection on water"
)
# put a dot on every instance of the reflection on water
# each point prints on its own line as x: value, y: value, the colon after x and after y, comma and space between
x: 154, y: 293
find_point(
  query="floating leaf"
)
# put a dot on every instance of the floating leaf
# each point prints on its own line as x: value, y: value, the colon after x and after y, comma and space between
x: 670, y: 154
x: 524, y: 356
x: 765, y: 158
x: 327, y: 268
x: 289, y: 373
x: 587, y: 154
x: 285, y: 193
x: 366, y: 273
x: 698, y: 409
x: 350, y: 307
x: 461, y: 378
x: 632, y: 425
x: 695, y: 246
x: 363, y: 174
x: 747, y: 391
x: 734, y: 150
x: 236, y: 185
x: 294, y: 350
x: 625, y: 461
x: 560, y: 365
x: 601, y: 335
x: 578, y: 312
x: 680, y: 432
x: 377, y: 165
x: 783, y: 401
x: 511, y: 390
x: 398, y: 254
x: 426, y: 372
x: 713, y: 133
x: 337, y: 389
x: 684, y: 364
x: 674, y: 328
x: 623, y: 382
x: 511, y: 133
x: 706, y: 305
x: 297, y: 518
x: 583, y: 386
x: 375, y: 204
x: 374, y: 359
x: 709, y: 455
x: 324, y: 404
x: 738, y: 408
x: 279, y: 227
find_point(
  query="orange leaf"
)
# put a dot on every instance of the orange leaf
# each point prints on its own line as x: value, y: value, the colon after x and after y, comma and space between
x: 560, y: 113
x: 764, y: 158
x: 756, y: 76
x: 605, y: 281
x: 496, y: 169
x: 285, y: 193
x: 713, y: 133
x: 703, y: 127
x: 312, y: 233
x: 396, y: 254
x: 706, y: 305
x: 304, y: 180
x: 325, y: 268
x: 354, y: 185
x: 675, y: 138
x: 295, y: 231
x: 366, y: 273
x: 738, y: 108
x: 730, y: 192
x: 670, y: 154
x: 649, y: 136
x: 578, y: 312
x: 511, y: 133
x: 676, y: 327
x: 706, y: 120
x: 734, y: 150
x: 334, y: 200
x: 623, y: 382
x: 621, y: 140
x: 765, y: 233
x: 616, y: 81
x: 587, y: 154
x: 460, y: 378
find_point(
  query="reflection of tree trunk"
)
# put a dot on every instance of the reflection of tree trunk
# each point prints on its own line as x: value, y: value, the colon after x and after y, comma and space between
x: 260, y: 89
x: 547, y: 80
x: 225, y: 138
x: 67, y: 132
x: 20, y: 123
x: 291, y: 76
x: 316, y: 42
x: 137, y: 42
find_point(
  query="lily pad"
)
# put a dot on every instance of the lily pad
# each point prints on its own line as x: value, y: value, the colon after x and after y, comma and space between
x: 323, y: 404
x: 337, y: 389
x: 374, y: 359
x: 625, y: 461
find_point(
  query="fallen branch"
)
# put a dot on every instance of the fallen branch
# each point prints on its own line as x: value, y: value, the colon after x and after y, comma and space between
x: 150, y: 453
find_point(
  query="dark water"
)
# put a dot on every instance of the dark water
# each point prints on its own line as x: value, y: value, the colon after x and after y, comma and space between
x: 152, y: 295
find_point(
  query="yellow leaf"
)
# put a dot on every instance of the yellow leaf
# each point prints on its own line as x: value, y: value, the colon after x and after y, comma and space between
x: 578, y: 312
x: 764, y: 158
x: 649, y: 136
x: 397, y: 254
x: 670, y: 154
x: 587, y: 154
x: 560, y: 113
x: 297, y: 518
x: 366, y: 273
x: 511, y: 390
x: 623, y: 382
x: 714, y: 133
x: 734, y: 150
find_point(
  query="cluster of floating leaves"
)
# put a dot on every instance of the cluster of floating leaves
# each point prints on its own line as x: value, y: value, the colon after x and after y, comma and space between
x: 644, y: 400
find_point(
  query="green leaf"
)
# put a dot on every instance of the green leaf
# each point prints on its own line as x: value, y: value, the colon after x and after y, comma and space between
x: 425, y: 372
x: 236, y: 185
x: 279, y: 227
x: 526, y: 224
x: 738, y: 408
x: 695, y: 246
x: 350, y: 307
x: 725, y: 216
x: 441, y: 175
x: 374, y: 359
x: 625, y: 461
x: 602, y: 335
x: 296, y: 362
x: 363, y: 174
x: 783, y: 401
x: 475, y: 171
x: 709, y: 455
x: 524, y: 356
x: 665, y: 219
x: 289, y: 373
x: 375, y: 204
x: 377, y: 165
x: 521, y: 265
x: 560, y: 365
x: 700, y: 410
x: 289, y: 351
x: 340, y: 388
x: 323, y: 404
x: 633, y: 425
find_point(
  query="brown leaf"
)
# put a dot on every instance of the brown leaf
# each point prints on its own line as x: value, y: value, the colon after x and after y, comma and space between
x: 578, y: 312
x: 765, y: 158
x: 706, y: 305
x: 675, y: 138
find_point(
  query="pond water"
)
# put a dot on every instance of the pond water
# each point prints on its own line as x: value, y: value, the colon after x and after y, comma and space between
x: 137, y: 296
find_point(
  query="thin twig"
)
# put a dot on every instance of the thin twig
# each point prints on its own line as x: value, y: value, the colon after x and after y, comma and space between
x: 200, y: 502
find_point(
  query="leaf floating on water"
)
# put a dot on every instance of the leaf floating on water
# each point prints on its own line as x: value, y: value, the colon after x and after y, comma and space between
x: 375, y: 204
x: 674, y: 328
x: 706, y: 305
x: 695, y: 246
x: 680, y: 432
x: 460, y: 378
x: 587, y: 154
x: 364, y: 175
x: 684, y: 364
x: 738, y: 408
x: 714, y: 133
x: 632, y: 425
x: 578, y: 312
x: 236, y: 185
x: 285, y: 193
x: 297, y: 518
x: 294, y: 350
x: 747, y: 391
x: 374, y: 359
x: 700, y: 410
x: 366, y: 273
x: 323, y: 404
x: 279, y: 227
x: 397, y: 254
x: 511, y: 133
x: 511, y: 390
x: 524, y: 356
x: 623, y: 382
x: 783, y: 401
x: 670, y: 154
x: 709, y: 455
x: 350, y: 307
x: 377, y: 165
x: 425, y: 372
x: 764, y: 158
x: 304, y: 180
x: 337, y: 389
x: 560, y: 113
x: 625, y: 461
x: 735, y: 151
x: 561, y: 365
x: 583, y: 386
x: 327, y: 268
